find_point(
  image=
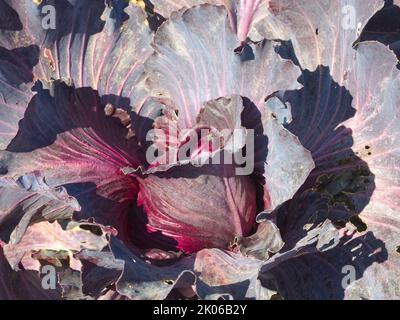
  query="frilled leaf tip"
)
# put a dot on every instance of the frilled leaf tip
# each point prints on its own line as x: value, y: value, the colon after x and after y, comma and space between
x: 172, y: 151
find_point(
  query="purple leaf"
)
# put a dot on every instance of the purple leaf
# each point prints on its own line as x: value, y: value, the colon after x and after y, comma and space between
x: 228, y: 275
x: 73, y: 143
x: 357, y: 190
x: 241, y: 12
x: 90, y: 54
x: 288, y: 163
x: 50, y: 236
x: 281, y: 162
x: 322, y: 32
x: 29, y: 200
x: 375, y: 131
x: 192, y: 65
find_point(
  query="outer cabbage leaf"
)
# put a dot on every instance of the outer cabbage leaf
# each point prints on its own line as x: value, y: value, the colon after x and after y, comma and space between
x: 29, y: 200
x: 322, y: 32
x: 67, y: 136
x: 286, y: 165
x: 228, y: 275
x: 350, y: 186
x: 345, y: 174
x: 241, y: 12
x: 195, y: 62
x: 375, y: 131
x: 74, y: 51
x: 52, y: 237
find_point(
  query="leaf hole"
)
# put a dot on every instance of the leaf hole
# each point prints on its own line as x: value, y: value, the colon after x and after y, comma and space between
x: 96, y: 230
x: 245, y: 52
x: 169, y: 282
x: 358, y: 223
